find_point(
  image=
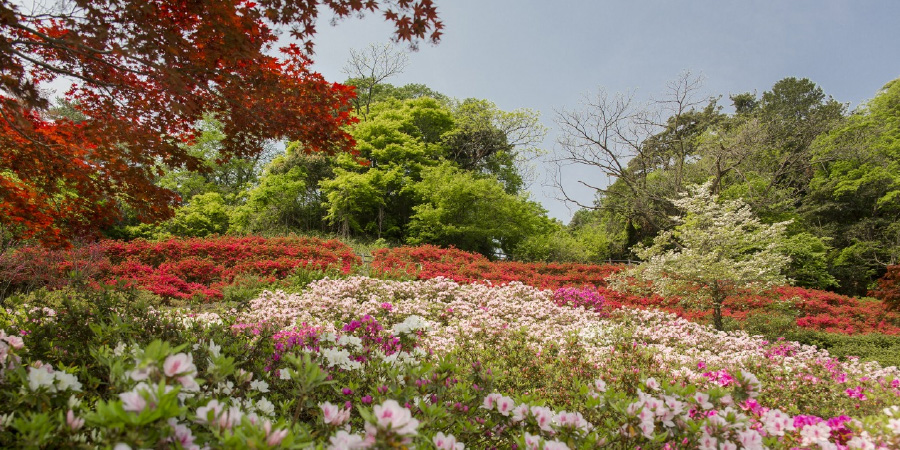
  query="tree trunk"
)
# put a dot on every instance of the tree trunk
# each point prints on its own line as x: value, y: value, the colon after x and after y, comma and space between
x: 718, y: 299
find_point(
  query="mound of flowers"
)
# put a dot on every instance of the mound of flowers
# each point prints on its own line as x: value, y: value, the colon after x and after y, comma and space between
x: 364, y: 363
x: 176, y: 268
x: 815, y: 310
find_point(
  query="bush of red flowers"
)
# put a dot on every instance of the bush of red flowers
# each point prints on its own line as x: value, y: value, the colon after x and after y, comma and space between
x: 176, y: 268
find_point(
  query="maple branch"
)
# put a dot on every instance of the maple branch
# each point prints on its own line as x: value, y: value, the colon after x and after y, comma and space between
x: 59, y: 70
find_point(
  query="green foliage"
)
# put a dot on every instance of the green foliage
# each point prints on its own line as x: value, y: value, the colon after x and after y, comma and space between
x: 384, y: 92
x: 557, y: 245
x: 471, y: 213
x: 588, y: 243
x: 809, y: 262
x: 79, y: 298
x: 224, y: 176
x: 781, y: 324
x: 855, y: 193
x: 287, y: 196
x: 275, y: 201
x: 395, y: 143
x: 494, y: 142
x: 204, y: 215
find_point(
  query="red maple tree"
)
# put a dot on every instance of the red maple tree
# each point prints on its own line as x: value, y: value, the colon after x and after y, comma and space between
x: 143, y: 73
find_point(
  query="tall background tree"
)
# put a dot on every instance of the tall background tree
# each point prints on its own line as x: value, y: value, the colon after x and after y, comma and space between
x: 143, y: 74
x: 854, y: 193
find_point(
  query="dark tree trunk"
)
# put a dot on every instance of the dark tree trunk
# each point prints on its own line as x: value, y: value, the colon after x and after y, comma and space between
x: 718, y: 299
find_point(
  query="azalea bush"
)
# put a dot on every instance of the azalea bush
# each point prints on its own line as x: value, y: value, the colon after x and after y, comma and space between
x: 365, y: 363
x: 237, y: 269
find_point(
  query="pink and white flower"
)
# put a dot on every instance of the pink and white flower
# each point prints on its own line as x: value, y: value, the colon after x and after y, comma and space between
x: 74, y: 423
x: 391, y: 416
x: 179, y: 364
x: 333, y: 415
x: 519, y: 413
x: 532, y: 442
x: 505, y: 405
x: 133, y: 401
x: 342, y: 440
x: 446, y: 442
x: 815, y: 434
x: 544, y: 418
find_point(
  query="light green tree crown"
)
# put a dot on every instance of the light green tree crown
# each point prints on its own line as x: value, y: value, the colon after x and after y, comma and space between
x: 716, y: 248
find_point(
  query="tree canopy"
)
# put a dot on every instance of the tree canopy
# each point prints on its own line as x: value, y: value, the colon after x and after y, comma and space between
x: 143, y: 73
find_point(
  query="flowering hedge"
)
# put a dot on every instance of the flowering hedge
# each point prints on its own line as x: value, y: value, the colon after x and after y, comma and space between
x: 176, y: 268
x: 815, y: 310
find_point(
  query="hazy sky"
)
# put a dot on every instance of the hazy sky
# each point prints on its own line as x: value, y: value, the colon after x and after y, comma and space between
x: 546, y: 54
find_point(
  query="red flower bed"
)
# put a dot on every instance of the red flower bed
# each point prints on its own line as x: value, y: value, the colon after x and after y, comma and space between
x: 818, y: 310
x: 177, y: 268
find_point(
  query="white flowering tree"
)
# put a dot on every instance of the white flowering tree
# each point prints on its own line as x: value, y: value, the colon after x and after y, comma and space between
x: 717, y: 247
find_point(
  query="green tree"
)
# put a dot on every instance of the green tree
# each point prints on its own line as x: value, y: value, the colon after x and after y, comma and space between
x: 494, y: 142
x: 789, y: 117
x: 639, y: 154
x: 226, y: 175
x: 855, y: 193
x: 287, y: 196
x: 717, y: 248
x: 586, y: 244
x: 204, y: 215
x: 472, y: 213
x: 372, y: 193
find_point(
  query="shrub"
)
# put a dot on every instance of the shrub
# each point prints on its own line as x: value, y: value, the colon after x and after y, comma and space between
x: 888, y: 287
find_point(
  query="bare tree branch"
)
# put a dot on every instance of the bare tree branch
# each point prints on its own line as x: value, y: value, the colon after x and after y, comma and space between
x: 614, y: 136
x: 371, y: 66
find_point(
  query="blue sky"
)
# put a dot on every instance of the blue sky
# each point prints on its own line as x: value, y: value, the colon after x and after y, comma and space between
x: 545, y: 55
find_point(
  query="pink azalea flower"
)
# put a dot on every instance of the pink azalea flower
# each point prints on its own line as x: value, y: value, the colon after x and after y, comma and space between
x: 73, y: 422
x: 390, y: 415
x: 343, y: 440
x: 446, y: 442
x: 133, y: 401
x: 179, y: 364
x: 274, y: 438
x: 333, y: 415
x: 505, y: 405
